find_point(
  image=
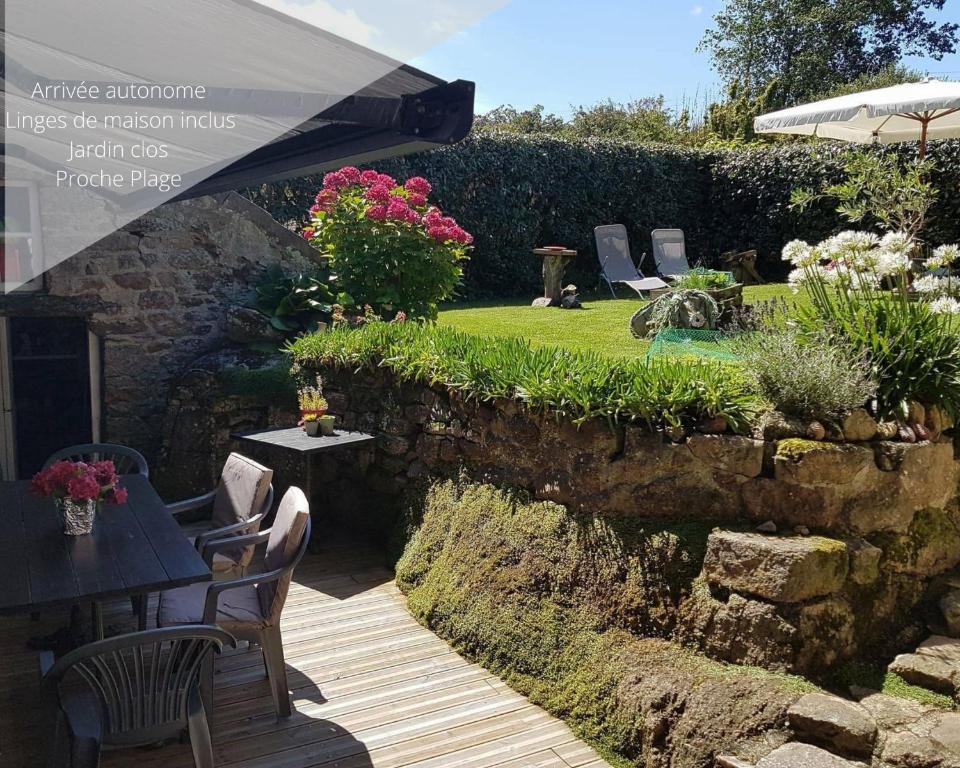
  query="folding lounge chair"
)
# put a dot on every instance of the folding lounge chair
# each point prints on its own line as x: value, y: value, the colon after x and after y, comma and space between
x: 613, y: 250
x: 670, y: 252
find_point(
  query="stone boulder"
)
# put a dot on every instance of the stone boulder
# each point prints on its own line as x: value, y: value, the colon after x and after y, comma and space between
x: 935, y: 665
x: 779, y: 569
x: 834, y: 723
x: 950, y: 607
x: 795, y: 755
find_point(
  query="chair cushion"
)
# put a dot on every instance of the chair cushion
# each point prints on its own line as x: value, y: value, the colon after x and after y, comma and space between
x: 241, y: 492
x: 286, y: 535
x: 185, y: 606
x: 221, y: 563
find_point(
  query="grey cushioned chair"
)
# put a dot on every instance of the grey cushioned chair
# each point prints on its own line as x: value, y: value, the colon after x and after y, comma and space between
x: 249, y: 608
x: 240, y: 501
x: 616, y: 264
x: 670, y: 252
x: 126, y: 460
x: 130, y: 691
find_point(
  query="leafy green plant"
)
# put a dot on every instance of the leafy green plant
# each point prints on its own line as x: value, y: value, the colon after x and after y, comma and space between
x: 296, y: 303
x: 810, y: 378
x: 913, y: 352
x: 700, y: 279
x: 387, y: 246
x: 879, y: 189
x: 659, y: 392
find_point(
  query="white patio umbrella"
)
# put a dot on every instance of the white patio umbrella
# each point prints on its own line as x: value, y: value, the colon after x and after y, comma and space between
x: 908, y: 112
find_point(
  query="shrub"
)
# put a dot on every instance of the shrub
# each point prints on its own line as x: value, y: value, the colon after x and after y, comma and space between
x: 387, y: 246
x: 659, y: 392
x: 810, y: 379
x: 701, y: 279
x: 295, y: 304
x: 913, y: 351
x: 516, y: 192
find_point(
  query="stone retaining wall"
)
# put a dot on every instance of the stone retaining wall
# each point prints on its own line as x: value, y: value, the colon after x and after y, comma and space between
x: 855, y: 535
x: 856, y: 532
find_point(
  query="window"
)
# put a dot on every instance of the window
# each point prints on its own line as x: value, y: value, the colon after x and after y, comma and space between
x: 20, y: 252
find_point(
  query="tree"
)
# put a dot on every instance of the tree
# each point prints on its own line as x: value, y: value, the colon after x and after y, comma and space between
x: 806, y: 47
x: 508, y: 118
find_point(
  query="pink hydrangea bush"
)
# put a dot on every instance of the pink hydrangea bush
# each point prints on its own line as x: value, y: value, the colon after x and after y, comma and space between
x: 80, y: 481
x: 388, y: 246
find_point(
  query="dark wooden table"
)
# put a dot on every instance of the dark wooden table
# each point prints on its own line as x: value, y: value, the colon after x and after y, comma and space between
x: 295, y: 440
x: 135, y: 549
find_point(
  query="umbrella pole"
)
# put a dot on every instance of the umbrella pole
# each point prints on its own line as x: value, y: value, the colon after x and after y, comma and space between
x: 924, y: 125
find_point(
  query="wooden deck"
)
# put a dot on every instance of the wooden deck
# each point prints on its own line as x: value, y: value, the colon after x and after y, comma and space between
x: 371, y: 688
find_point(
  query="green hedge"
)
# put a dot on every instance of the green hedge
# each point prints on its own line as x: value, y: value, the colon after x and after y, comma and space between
x: 658, y: 392
x: 516, y: 192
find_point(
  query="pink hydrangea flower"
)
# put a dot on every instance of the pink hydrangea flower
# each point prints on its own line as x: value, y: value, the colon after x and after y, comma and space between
x: 83, y: 488
x: 105, y: 473
x: 412, y: 216
x: 379, y: 193
x: 351, y: 174
x: 326, y: 199
x: 369, y: 178
x: 438, y: 233
x: 418, y: 185
x: 335, y: 181
x: 117, y: 495
x: 308, y: 232
x: 416, y: 199
x: 388, y: 180
x: 377, y: 212
x: 432, y: 217
x: 397, y: 209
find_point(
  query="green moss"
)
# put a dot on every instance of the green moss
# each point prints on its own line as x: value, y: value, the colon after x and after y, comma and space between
x: 795, y: 448
x: 570, y: 610
x: 879, y: 679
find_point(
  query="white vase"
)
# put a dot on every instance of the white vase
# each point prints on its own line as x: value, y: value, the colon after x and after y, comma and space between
x: 78, y: 516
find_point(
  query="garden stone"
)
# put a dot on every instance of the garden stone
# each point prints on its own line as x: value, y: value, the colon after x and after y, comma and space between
x: 859, y: 426
x: 816, y: 431
x: 950, y: 607
x: 783, y: 570
x: 795, y: 755
x: 726, y: 761
x: 935, y: 665
x: 247, y: 326
x: 905, y: 749
x: 828, y: 632
x: 823, y: 464
x: 834, y: 722
x: 864, y: 561
x: 916, y: 413
x: 891, y: 713
x: 542, y: 302
x: 775, y: 425
x: 767, y: 527
x: 733, y: 454
x: 887, y: 430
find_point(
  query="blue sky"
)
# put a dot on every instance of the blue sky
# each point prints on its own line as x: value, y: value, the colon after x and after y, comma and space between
x: 568, y: 52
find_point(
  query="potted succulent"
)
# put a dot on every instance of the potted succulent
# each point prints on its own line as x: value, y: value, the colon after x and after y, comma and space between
x: 311, y: 424
x: 312, y: 401
x: 78, y: 488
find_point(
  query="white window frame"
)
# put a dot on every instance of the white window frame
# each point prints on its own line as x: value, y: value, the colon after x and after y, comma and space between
x: 35, y: 232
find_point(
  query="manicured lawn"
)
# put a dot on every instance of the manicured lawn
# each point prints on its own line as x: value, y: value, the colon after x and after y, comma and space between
x: 602, y: 325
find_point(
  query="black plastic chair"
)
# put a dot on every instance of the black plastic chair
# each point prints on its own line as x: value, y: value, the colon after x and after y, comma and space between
x: 130, y: 691
x: 126, y: 460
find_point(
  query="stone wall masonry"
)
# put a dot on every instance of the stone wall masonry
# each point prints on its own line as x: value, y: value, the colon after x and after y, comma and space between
x: 877, y: 521
x: 158, y: 292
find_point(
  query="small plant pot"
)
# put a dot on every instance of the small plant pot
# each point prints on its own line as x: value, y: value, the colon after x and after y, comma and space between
x: 326, y: 424
x: 78, y: 516
x: 312, y: 428
x: 318, y: 414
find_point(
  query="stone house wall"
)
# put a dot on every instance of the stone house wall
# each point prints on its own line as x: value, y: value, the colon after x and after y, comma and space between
x: 158, y: 293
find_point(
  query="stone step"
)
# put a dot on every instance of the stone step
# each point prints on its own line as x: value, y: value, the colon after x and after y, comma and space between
x: 797, y: 755
x: 840, y: 725
x: 934, y: 665
x: 781, y: 569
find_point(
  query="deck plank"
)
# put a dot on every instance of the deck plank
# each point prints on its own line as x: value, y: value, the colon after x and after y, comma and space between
x: 370, y: 687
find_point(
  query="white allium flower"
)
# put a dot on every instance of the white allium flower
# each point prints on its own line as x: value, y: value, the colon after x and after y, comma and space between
x: 945, y: 306
x: 799, y: 253
x: 889, y: 263
x: 850, y: 246
x: 932, y: 285
x: 943, y: 257
x: 897, y: 242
